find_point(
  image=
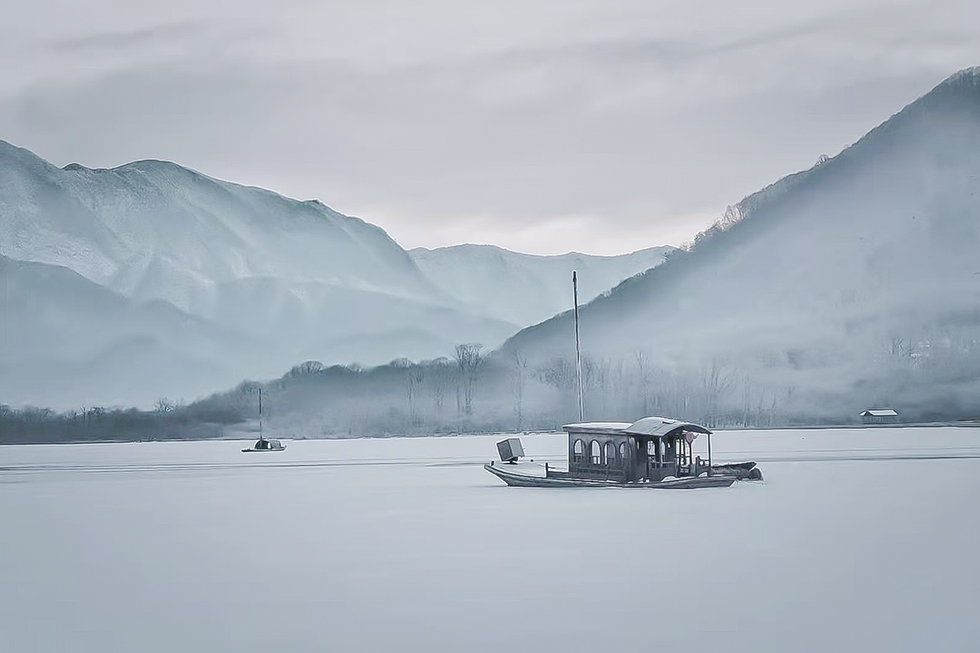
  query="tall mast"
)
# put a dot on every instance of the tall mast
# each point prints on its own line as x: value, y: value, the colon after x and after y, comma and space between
x: 578, y: 352
x: 260, y: 412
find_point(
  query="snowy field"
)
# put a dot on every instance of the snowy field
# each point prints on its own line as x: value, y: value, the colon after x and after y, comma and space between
x: 858, y: 540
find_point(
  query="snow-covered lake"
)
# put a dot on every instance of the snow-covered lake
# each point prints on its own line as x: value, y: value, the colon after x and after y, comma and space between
x: 858, y: 540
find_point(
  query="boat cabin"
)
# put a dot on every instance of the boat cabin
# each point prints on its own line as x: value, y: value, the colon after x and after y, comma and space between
x: 647, y: 450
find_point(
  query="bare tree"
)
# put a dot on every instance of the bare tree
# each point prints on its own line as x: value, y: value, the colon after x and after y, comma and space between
x: 643, y: 369
x: 733, y: 215
x: 306, y: 368
x: 414, y: 380
x: 746, y: 400
x: 715, y: 383
x: 559, y: 373
x: 619, y: 385
x: 520, y: 371
x: 469, y: 360
x: 440, y: 372
x: 596, y: 373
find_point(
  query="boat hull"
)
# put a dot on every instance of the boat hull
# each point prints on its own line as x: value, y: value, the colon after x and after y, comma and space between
x: 526, y: 480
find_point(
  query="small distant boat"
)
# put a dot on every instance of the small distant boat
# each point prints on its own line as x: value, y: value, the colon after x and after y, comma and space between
x: 263, y: 444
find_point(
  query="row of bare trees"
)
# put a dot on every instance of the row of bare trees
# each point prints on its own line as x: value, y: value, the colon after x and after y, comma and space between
x: 618, y: 388
x: 520, y: 393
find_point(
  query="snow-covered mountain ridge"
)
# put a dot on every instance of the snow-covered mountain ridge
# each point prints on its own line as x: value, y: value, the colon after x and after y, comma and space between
x: 156, y: 230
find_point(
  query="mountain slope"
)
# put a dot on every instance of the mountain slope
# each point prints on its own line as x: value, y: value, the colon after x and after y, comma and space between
x: 297, y: 278
x: 522, y: 287
x: 857, y: 281
x: 155, y: 230
x: 71, y: 342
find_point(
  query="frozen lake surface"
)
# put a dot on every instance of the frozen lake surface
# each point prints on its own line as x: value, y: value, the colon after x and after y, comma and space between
x: 858, y: 540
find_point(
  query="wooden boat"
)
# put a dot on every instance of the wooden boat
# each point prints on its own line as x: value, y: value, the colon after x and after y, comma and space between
x: 653, y: 452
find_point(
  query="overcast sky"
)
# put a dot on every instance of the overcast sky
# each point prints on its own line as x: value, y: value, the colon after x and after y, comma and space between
x: 601, y: 126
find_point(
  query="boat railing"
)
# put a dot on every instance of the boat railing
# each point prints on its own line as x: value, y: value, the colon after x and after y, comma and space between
x: 609, y: 472
x: 694, y: 468
x: 551, y: 472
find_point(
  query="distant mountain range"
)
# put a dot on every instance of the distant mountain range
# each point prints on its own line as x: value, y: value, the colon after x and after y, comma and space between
x: 523, y: 288
x: 126, y: 284
x: 853, y: 284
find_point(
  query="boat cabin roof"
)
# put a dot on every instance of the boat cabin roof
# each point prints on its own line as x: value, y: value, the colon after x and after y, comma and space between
x: 657, y: 427
x: 617, y: 428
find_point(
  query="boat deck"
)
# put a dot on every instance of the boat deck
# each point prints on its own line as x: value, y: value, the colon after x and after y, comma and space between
x: 526, y: 468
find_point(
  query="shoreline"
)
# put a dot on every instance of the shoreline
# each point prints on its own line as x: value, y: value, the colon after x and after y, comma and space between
x: 238, y: 438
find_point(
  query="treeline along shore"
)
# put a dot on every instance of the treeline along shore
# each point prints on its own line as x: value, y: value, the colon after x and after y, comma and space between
x: 475, y: 393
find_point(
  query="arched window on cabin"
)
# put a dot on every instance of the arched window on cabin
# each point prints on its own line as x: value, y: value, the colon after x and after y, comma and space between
x: 623, y: 454
x: 596, y: 453
x: 611, y: 454
x: 578, y: 451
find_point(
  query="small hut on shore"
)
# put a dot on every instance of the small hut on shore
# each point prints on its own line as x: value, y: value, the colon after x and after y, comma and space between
x: 879, y: 416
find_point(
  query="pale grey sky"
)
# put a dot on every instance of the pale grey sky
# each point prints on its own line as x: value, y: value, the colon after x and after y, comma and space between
x: 545, y: 126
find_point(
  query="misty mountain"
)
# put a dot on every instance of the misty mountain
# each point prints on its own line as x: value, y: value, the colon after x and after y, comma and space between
x: 851, y: 284
x: 295, y: 279
x: 523, y: 287
x: 261, y: 282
